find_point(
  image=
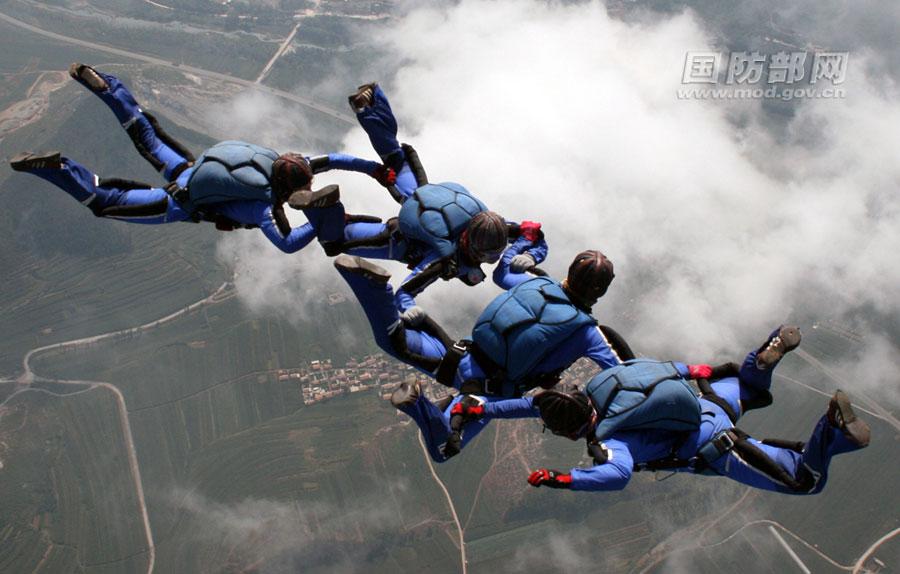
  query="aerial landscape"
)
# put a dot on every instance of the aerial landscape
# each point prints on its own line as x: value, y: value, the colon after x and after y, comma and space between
x: 182, y: 399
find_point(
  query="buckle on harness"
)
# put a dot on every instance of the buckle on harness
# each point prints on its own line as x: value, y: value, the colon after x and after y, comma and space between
x: 714, y: 449
x: 178, y: 193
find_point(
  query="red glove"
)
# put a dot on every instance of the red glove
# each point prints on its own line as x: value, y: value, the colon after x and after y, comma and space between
x: 467, y: 411
x: 551, y: 478
x: 699, y: 371
x: 385, y: 175
x: 531, y: 230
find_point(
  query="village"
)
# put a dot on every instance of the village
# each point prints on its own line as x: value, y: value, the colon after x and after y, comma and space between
x: 320, y: 379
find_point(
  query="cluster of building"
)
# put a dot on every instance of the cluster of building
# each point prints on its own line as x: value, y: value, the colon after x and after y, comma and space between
x: 320, y: 380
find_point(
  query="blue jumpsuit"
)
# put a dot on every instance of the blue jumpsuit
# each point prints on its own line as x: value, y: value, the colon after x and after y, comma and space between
x: 86, y: 188
x: 380, y: 125
x: 626, y: 448
x: 382, y: 311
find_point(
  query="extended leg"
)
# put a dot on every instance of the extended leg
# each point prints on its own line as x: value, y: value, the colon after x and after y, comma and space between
x: 373, y: 111
x: 758, y: 367
x: 370, y: 285
x: 433, y: 422
x: 837, y: 432
x: 341, y: 233
x: 156, y: 146
x: 103, y: 197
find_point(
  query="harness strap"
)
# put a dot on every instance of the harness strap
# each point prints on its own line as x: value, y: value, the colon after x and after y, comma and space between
x: 178, y: 193
x: 708, y: 393
x: 446, y: 371
x: 734, y: 439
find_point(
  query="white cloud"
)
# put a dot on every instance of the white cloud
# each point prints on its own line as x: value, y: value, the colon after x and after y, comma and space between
x: 719, y: 229
x: 272, y: 536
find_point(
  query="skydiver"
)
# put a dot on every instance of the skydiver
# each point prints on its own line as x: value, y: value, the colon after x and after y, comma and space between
x: 442, y: 231
x: 233, y: 184
x: 545, y: 340
x: 651, y: 440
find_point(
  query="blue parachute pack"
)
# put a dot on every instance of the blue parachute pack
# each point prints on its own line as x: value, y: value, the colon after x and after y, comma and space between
x: 230, y: 171
x: 643, y: 394
x: 437, y: 214
x: 522, y: 326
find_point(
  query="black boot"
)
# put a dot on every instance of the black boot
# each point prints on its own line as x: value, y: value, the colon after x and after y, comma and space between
x: 840, y: 415
x: 360, y: 266
x: 27, y: 161
x: 787, y: 339
x: 363, y: 97
x: 88, y: 77
x: 307, y: 198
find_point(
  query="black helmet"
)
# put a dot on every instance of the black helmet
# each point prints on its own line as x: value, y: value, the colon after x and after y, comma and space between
x: 290, y: 172
x: 486, y: 237
x: 565, y: 410
x: 590, y: 275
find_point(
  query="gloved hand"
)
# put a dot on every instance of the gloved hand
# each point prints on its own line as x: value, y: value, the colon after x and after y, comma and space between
x: 469, y: 408
x: 725, y: 370
x: 384, y: 175
x: 521, y: 263
x: 699, y: 371
x: 551, y: 478
x: 413, y: 316
x: 452, y: 446
x: 531, y: 230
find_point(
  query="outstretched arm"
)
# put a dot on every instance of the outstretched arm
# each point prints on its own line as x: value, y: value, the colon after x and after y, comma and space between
x: 598, y: 348
x: 343, y: 162
x: 522, y: 408
x: 282, y: 236
x: 613, y: 474
x: 504, y: 277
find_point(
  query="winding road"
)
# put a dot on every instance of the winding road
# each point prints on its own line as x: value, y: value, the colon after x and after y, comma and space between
x: 309, y: 103
x: 28, y: 378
